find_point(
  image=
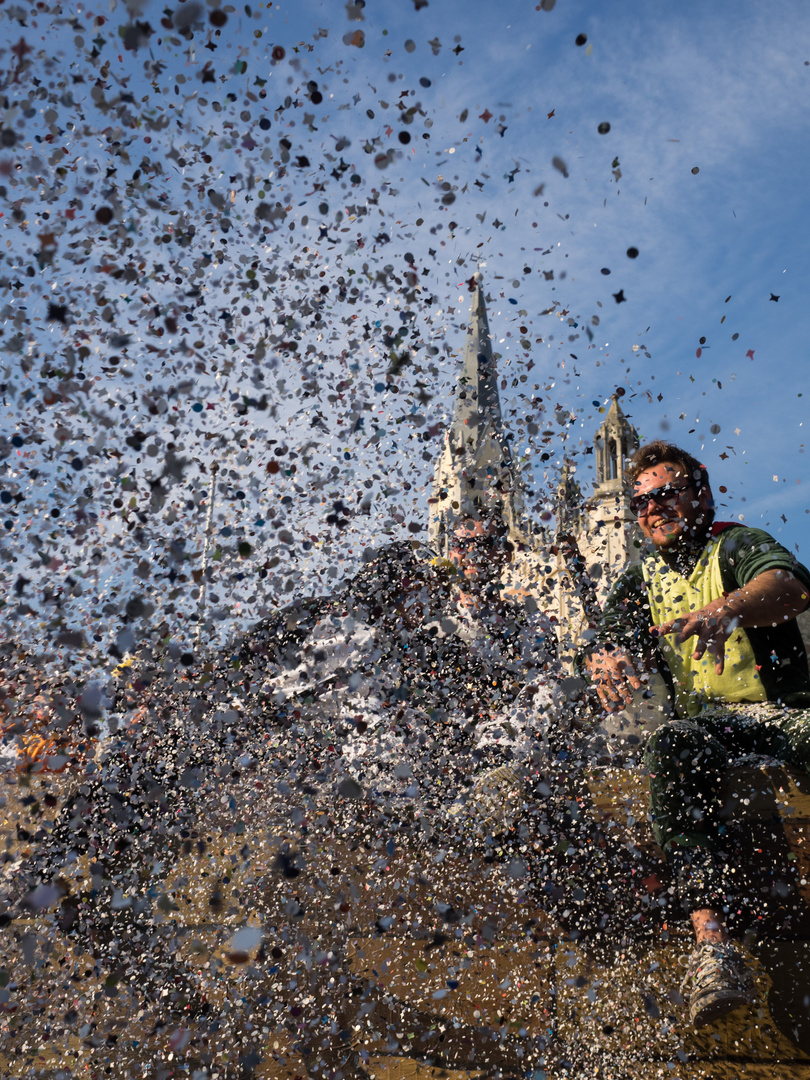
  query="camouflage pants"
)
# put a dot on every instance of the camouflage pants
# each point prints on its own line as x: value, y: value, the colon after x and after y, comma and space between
x: 687, y: 761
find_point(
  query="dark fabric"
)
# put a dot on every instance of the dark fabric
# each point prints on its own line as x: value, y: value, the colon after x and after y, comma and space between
x: 688, y: 761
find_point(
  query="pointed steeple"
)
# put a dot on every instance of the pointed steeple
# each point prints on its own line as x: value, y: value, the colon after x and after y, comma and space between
x: 475, y: 472
x: 613, y: 539
x: 477, y: 410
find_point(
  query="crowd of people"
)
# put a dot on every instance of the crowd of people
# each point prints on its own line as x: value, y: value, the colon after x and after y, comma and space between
x: 428, y: 693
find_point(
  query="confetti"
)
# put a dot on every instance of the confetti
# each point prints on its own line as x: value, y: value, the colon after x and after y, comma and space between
x: 261, y: 726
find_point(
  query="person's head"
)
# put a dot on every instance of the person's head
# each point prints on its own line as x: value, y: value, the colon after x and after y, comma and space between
x: 398, y: 584
x: 670, y: 494
x: 480, y: 548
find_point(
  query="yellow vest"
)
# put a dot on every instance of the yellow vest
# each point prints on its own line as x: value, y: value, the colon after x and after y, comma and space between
x: 696, y: 681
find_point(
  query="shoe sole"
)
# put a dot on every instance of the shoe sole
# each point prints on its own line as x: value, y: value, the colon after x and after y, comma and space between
x: 716, y: 1010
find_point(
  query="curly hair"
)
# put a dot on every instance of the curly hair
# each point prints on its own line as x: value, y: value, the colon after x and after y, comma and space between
x: 658, y: 452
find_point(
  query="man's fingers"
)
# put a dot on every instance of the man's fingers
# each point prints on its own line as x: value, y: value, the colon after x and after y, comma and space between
x: 719, y: 658
x: 686, y: 628
x: 674, y: 626
x: 613, y: 675
x: 606, y: 699
x: 718, y: 649
x: 606, y: 690
x: 626, y: 671
x: 613, y: 693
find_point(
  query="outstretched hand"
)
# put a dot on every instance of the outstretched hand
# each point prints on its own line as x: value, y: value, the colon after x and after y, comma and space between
x: 711, y: 627
x: 614, y: 677
x: 772, y: 597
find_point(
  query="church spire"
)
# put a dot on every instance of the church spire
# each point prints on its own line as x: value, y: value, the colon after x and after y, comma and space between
x: 477, y: 410
x: 475, y: 472
x: 568, y: 499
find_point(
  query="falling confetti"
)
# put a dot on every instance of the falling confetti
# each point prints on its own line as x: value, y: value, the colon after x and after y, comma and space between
x: 261, y: 733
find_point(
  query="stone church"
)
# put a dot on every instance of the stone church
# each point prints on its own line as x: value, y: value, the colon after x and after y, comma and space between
x: 570, y: 565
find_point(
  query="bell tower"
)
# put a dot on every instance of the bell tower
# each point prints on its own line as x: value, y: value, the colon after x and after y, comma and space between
x: 614, y: 443
x: 612, y: 529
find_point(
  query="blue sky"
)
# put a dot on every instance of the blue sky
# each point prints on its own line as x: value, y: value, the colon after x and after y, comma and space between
x: 446, y: 136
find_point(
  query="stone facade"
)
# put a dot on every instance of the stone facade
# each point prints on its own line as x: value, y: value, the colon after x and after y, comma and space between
x: 569, y: 566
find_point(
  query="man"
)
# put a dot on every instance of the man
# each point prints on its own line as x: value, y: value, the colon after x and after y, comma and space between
x: 513, y: 641
x: 381, y: 703
x: 506, y: 629
x: 713, y: 606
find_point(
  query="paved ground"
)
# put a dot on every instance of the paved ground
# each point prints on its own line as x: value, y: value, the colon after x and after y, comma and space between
x: 391, y: 957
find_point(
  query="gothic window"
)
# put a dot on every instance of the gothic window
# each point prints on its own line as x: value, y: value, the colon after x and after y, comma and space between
x: 601, y: 471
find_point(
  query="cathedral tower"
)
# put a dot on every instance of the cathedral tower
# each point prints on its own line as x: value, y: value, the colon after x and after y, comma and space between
x: 612, y: 530
x: 568, y: 568
x: 475, y: 472
x: 614, y: 443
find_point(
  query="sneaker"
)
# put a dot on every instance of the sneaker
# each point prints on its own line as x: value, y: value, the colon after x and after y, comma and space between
x: 717, y: 981
x: 498, y: 798
x: 494, y: 803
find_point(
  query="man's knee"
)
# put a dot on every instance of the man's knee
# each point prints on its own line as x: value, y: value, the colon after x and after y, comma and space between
x: 675, y: 739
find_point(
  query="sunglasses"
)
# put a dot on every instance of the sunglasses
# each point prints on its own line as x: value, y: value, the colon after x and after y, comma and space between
x: 666, y: 495
x: 481, y: 543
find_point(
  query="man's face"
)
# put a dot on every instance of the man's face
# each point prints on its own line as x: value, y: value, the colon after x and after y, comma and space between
x: 673, y: 508
x: 477, y: 551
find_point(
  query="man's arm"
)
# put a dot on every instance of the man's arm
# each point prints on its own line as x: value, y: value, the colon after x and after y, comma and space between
x: 771, y: 597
